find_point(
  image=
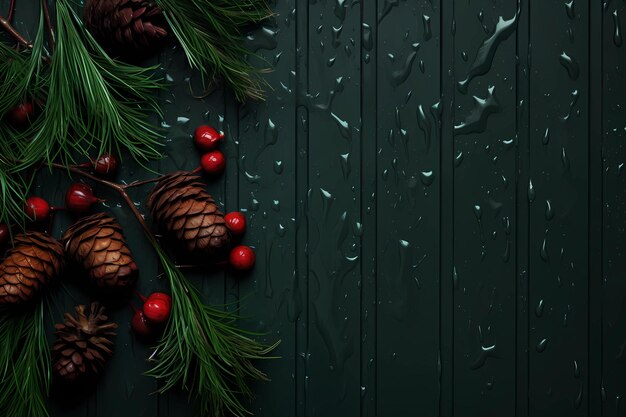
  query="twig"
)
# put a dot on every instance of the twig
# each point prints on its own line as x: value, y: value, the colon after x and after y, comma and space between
x: 46, y: 14
x: 11, y: 10
x: 121, y: 190
x: 4, y: 24
x: 140, y: 183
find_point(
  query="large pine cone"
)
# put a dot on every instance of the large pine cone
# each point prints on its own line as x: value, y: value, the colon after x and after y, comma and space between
x: 35, y: 259
x: 83, y: 344
x: 125, y: 27
x: 182, y: 206
x: 97, y: 243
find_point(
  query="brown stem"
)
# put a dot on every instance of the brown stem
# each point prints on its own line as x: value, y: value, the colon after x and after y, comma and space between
x: 140, y: 183
x: 4, y: 24
x: 121, y: 190
x: 46, y: 14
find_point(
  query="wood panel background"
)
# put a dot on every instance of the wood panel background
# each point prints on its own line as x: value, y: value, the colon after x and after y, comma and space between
x: 436, y: 195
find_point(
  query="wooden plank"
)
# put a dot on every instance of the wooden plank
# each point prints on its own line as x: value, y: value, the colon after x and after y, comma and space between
x: 558, y: 192
x: 334, y: 208
x: 614, y: 210
x: 265, y: 160
x: 369, y: 210
x: 485, y: 207
x: 408, y: 177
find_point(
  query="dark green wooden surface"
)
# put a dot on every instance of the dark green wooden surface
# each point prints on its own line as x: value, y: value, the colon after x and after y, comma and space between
x: 424, y: 247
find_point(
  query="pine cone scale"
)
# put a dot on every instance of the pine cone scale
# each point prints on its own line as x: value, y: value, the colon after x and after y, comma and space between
x: 98, y: 245
x: 184, y: 209
x: 35, y: 259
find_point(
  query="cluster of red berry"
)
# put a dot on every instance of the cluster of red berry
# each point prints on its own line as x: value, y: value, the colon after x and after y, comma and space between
x: 149, y: 321
x: 213, y: 162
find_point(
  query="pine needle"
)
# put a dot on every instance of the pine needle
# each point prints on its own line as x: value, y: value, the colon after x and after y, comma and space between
x: 211, y: 34
x: 94, y: 104
x: 204, y: 352
x: 24, y: 363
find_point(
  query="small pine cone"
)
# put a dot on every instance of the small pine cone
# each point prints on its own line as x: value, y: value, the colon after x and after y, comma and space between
x: 35, y: 259
x: 181, y: 205
x: 83, y: 344
x: 125, y: 27
x: 97, y: 243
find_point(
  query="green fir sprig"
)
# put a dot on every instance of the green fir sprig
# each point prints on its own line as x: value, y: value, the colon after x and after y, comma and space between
x: 204, y: 352
x: 211, y: 35
x: 24, y: 362
x: 95, y: 104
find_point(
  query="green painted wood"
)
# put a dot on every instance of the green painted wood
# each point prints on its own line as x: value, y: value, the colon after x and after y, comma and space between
x: 484, y: 209
x: 559, y: 365
x: 396, y: 247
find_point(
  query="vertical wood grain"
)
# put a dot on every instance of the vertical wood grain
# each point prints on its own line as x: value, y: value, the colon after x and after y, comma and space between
x: 484, y: 207
x: 559, y: 96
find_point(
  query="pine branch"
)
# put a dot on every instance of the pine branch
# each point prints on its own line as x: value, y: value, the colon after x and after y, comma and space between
x: 106, y: 110
x: 211, y: 34
x: 202, y: 349
x: 24, y: 362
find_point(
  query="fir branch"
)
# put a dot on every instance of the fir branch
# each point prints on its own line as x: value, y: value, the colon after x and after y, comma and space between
x: 210, y: 33
x: 202, y: 350
x: 24, y: 362
x: 94, y: 103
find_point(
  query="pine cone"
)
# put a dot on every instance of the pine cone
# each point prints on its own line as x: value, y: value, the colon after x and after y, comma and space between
x: 181, y: 205
x: 35, y: 259
x: 125, y: 27
x: 84, y: 344
x: 97, y: 243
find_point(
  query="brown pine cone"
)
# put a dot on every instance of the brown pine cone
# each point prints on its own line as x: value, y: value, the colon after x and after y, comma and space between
x: 97, y: 243
x: 35, y: 259
x: 125, y: 27
x: 181, y: 205
x: 83, y: 344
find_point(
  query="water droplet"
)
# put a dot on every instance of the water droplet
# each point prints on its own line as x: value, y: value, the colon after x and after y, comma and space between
x: 278, y: 167
x: 549, y: 210
x: 368, y: 41
x: 531, y: 191
x: 617, y: 33
x: 427, y: 30
x: 569, y: 9
x: 181, y: 120
x: 539, y: 309
x: 271, y: 134
x: 400, y: 76
x: 487, y: 51
x: 424, y: 124
x: 542, y: 345
x: 335, y: 37
x: 344, y: 127
x: 564, y: 159
x: 427, y: 177
x: 570, y: 64
x: 345, y: 165
x: 546, y: 136
x: 476, y: 121
x: 265, y: 38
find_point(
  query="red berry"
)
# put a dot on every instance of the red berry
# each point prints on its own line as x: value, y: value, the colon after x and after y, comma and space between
x: 105, y: 165
x: 79, y: 198
x: 242, y: 258
x: 21, y: 115
x: 157, y: 307
x: 141, y: 327
x: 213, y: 163
x: 206, y: 138
x: 236, y: 222
x: 37, y: 209
x: 5, y: 233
